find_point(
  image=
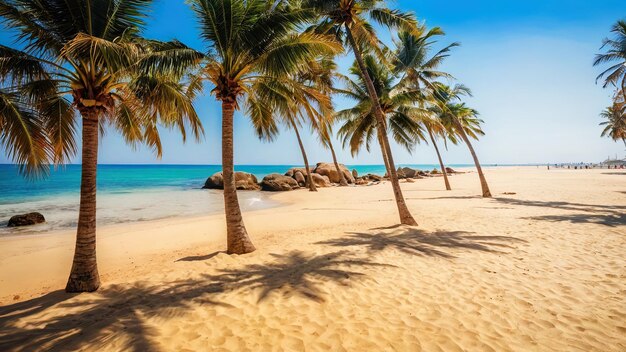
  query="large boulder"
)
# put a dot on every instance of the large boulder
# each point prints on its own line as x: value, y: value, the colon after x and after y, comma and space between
x: 298, y: 174
x: 278, y: 183
x: 450, y: 170
x: 355, y: 173
x: 291, y: 172
x: 243, y: 181
x: 26, y: 219
x: 329, y: 169
x: 320, y: 180
x: 407, y: 172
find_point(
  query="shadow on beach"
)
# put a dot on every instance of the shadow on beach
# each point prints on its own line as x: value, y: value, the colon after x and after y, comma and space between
x: 419, y: 242
x: 67, y: 321
x: 607, y: 215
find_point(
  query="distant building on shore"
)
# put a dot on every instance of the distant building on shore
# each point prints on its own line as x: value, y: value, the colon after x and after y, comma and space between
x: 614, y: 162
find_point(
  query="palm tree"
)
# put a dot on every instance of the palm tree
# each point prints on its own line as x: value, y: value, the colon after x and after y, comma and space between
x: 616, y: 56
x: 460, y: 121
x: 435, y: 128
x: 322, y: 73
x: 411, y: 58
x: 402, y: 117
x: 347, y: 19
x: 296, y: 98
x: 250, y: 43
x: 87, y: 58
x: 615, y: 124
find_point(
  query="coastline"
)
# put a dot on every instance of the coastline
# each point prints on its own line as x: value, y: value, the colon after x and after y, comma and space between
x: 128, y: 205
x: 542, y: 267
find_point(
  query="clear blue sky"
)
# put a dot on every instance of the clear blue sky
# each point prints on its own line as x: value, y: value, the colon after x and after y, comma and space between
x: 527, y: 62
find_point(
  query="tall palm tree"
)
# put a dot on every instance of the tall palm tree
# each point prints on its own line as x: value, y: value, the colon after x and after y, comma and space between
x: 402, y: 117
x: 460, y: 121
x: 616, y: 56
x: 348, y: 20
x: 250, y: 43
x: 435, y: 129
x: 615, y: 124
x: 87, y: 58
x: 420, y: 71
x: 296, y: 99
x: 322, y: 74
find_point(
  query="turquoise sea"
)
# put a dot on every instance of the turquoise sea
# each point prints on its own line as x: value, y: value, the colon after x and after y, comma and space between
x: 128, y: 193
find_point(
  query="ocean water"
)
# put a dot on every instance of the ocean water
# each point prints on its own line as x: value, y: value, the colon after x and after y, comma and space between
x: 130, y: 193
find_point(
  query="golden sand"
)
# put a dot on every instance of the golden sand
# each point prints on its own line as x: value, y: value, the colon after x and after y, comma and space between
x: 542, y: 269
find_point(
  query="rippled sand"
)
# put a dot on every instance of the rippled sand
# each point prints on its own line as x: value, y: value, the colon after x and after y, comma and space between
x: 542, y: 269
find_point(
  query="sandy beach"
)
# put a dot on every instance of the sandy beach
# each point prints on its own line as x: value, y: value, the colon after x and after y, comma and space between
x: 542, y: 267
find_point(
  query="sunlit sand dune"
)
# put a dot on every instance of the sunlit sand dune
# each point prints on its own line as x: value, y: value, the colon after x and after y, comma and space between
x: 541, y: 269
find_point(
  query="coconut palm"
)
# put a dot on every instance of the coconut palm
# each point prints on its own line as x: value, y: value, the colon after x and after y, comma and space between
x: 615, y: 124
x: 322, y: 73
x: 461, y: 121
x: 436, y: 129
x: 249, y: 43
x: 348, y: 20
x: 296, y: 100
x: 616, y: 56
x: 402, y: 117
x: 411, y: 59
x: 87, y: 59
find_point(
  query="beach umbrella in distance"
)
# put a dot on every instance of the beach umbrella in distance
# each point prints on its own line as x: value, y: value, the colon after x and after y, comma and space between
x: 85, y: 61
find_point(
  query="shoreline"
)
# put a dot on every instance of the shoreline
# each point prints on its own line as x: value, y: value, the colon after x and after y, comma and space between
x: 160, y: 193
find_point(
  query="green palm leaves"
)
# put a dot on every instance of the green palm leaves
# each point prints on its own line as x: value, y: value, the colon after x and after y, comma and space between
x: 615, y: 124
x: 87, y: 57
x: 255, y: 52
x: 615, y: 55
x: 402, y: 114
x: 615, y: 75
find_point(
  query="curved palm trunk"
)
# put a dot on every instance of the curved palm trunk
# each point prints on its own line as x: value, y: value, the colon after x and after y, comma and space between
x: 382, y: 146
x: 342, y: 177
x: 237, y: 238
x: 405, y: 216
x: 84, y: 273
x: 483, y: 180
x: 309, y: 179
x: 443, y: 168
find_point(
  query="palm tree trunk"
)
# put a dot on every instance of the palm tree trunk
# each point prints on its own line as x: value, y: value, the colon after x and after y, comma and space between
x: 237, y: 238
x: 443, y: 168
x: 405, y: 216
x: 342, y: 177
x: 483, y: 180
x: 84, y: 273
x: 309, y: 179
x: 379, y: 134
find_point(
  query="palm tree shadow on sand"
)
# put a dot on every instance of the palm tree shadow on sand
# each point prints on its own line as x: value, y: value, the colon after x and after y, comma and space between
x: 295, y: 273
x: 66, y: 321
x: 414, y: 241
x: 601, y: 214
